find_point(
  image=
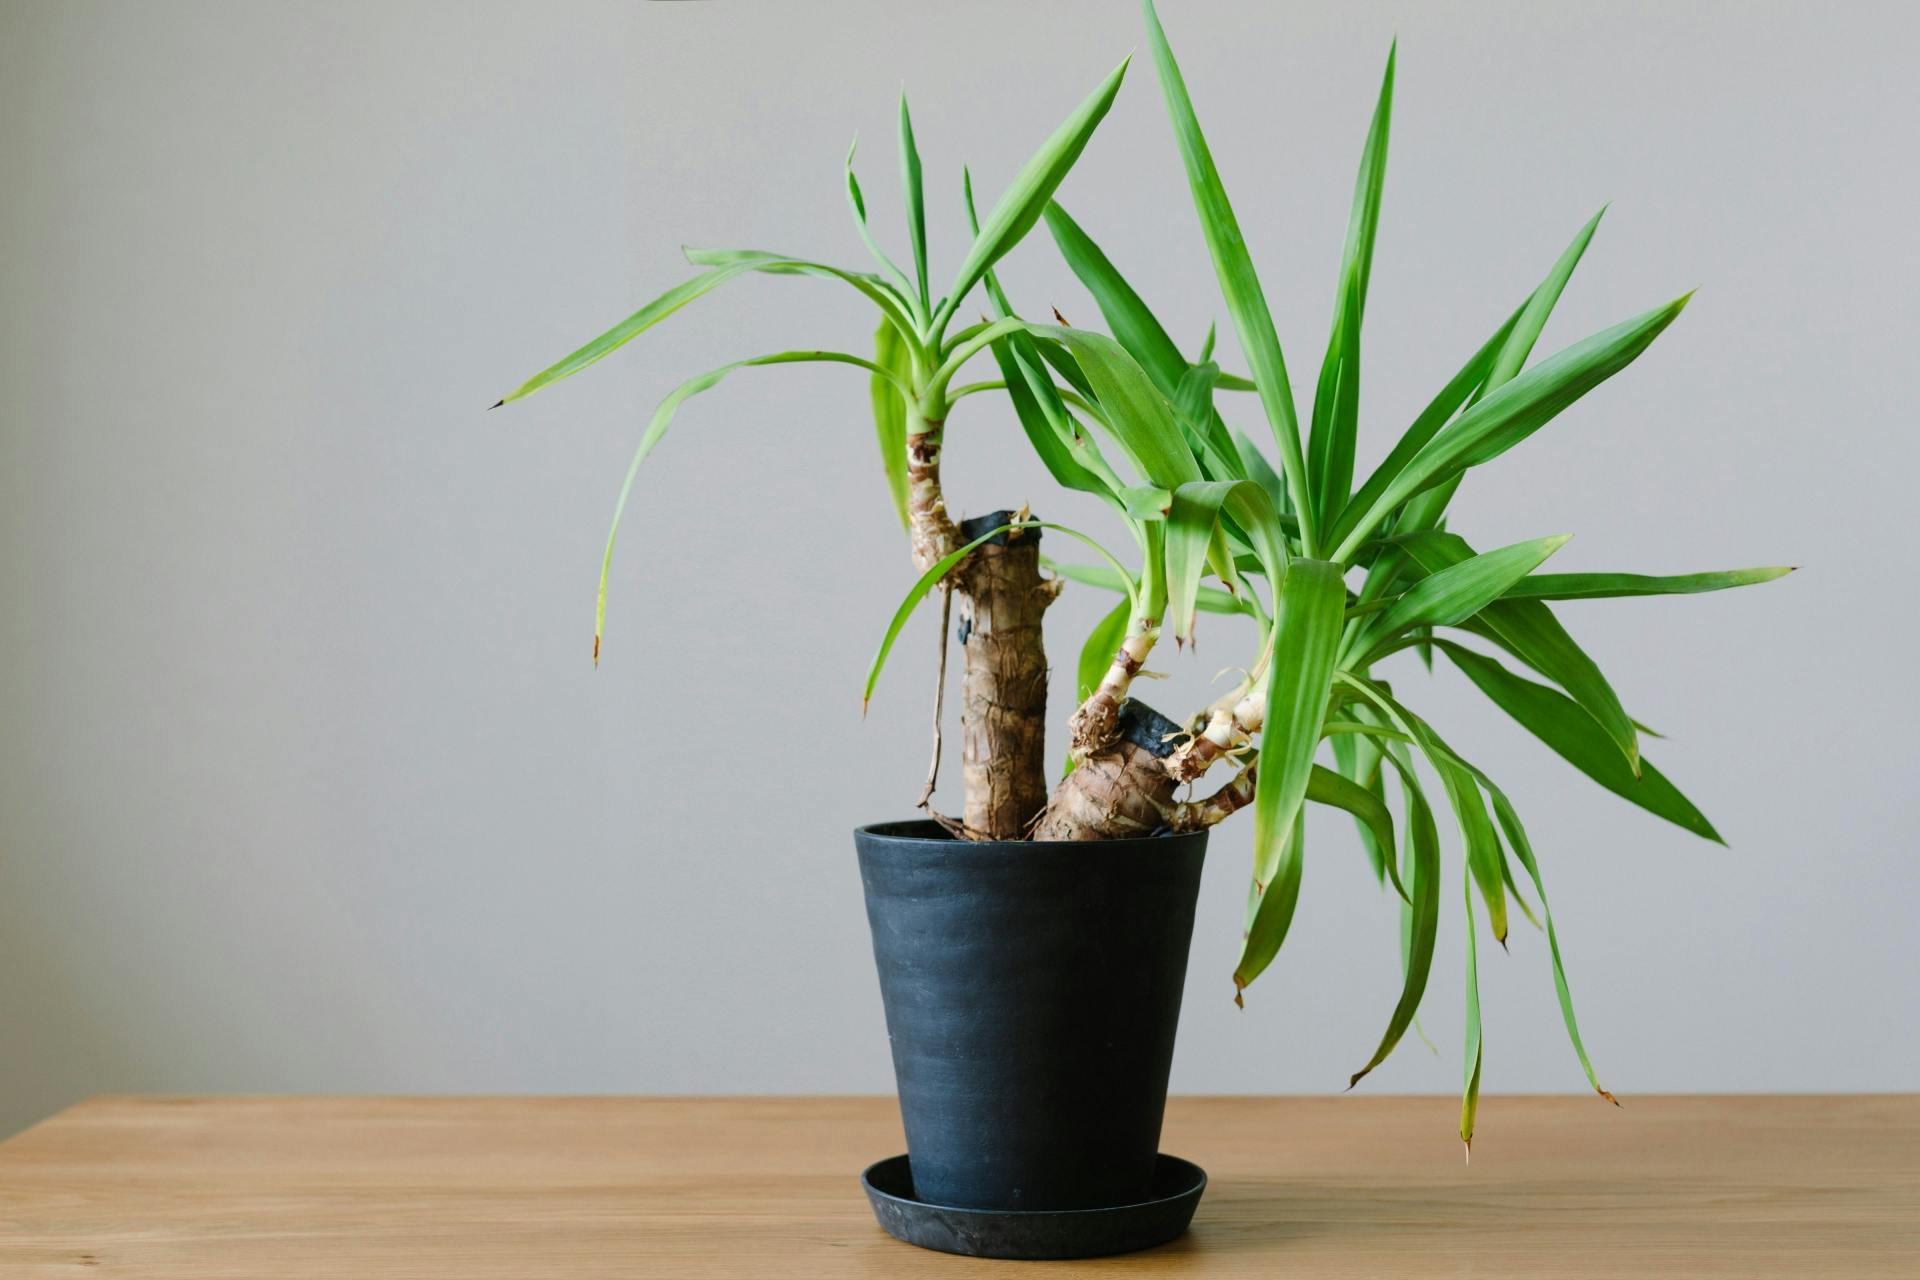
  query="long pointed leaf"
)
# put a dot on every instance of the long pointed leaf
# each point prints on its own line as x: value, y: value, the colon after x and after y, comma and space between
x: 1507, y: 416
x: 1605, y: 586
x: 910, y: 189
x: 1026, y: 197
x: 1139, y: 416
x: 1239, y: 283
x: 1460, y: 590
x: 1557, y: 721
x: 1422, y: 917
x: 1336, y: 400
x: 1423, y: 512
x: 1348, y: 530
x: 1128, y: 318
x: 1516, y: 834
x: 1528, y: 630
x: 1470, y: 1095
x: 1307, y: 621
x: 1326, y: 787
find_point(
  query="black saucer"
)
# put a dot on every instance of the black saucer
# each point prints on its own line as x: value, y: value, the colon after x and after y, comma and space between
x: 1036, y: 1233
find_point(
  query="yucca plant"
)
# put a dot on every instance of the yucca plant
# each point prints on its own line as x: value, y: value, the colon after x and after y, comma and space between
x: 1336, y: 578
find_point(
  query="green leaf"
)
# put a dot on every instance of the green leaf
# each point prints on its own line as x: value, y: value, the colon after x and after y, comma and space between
x: 1070, y: 455
x: 1348, y: 530
x: 1206, y: 434
x: 1519, y: 343
x: 940, y: 569
x: 1270, y: 908
x: 657, y: 428
x: 1460, y: 590
x: 1128, y: 318
x: 1021, y: 205
x: 1259, y: 470
x: 1192, y: 523
x: 671, y: 301
x: 1422, y: 918
x: 1336, y: 400
x: 1516, y: 834
x: 1210, y: 599
x: 1528, y: 630
x: 890, y: 411
x: 892, y: 303
x: 1097, y: 654
x: 858, y: 202
x: 1476, y: 830
x: 1470, y: 1095
x: 1557, y: 721
x: 910, y: 187
x: 1509, y: 415
x: 1424, y: 511
x: 1246, y: 302
x: 1603, y: 586
x: 1138, y: 415
x: 1324, y: 786
x: 1484, y: 859
x: 1306, y: 629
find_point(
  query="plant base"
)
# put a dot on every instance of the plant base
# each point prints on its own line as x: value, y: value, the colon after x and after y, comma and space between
x: 1036, y: 1233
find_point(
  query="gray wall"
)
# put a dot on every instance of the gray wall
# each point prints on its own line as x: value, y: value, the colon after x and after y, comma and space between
x: 307, y: 783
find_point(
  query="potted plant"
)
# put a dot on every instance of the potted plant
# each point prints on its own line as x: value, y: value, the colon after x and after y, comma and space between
x: 1032, y: 949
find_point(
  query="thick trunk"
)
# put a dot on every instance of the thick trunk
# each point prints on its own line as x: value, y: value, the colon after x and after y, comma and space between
x: 1003, y: 685
x: 1124, y: 790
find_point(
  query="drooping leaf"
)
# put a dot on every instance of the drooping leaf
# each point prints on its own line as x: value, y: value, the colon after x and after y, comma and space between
x: 940, y: 569
x: 1422, y: 917
x: 1557, y: 721
x: 1026, y: 197
x: 679, y: 296
x: 1307, y: 621
x: 883, y: 294
x: 657, y: 428
x: 1240, y: 285
x: 1470, y: 1095
x: 1324, y: 786
x: 1503, y: 812
x: 890, y: 412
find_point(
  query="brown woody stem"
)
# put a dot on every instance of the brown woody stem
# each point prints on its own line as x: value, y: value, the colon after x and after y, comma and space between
x: 1192, y: 815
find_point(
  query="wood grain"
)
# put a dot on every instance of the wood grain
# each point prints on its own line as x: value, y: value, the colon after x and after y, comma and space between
x: 529, y: 1188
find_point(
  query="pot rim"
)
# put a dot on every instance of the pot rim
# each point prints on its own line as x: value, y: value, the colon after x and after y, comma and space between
x: 934, y: 835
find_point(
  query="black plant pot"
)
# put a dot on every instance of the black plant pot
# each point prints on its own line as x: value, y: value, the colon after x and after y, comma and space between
x: 1032, y: 993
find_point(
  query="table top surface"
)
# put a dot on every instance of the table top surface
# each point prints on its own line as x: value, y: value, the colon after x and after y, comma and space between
x: 373, y: 1188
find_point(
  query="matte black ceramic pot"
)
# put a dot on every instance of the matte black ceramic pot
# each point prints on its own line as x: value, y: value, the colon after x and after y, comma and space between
x: 1032, y: 994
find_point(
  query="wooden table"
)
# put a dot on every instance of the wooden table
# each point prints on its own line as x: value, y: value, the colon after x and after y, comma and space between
x: 762, y: 1188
